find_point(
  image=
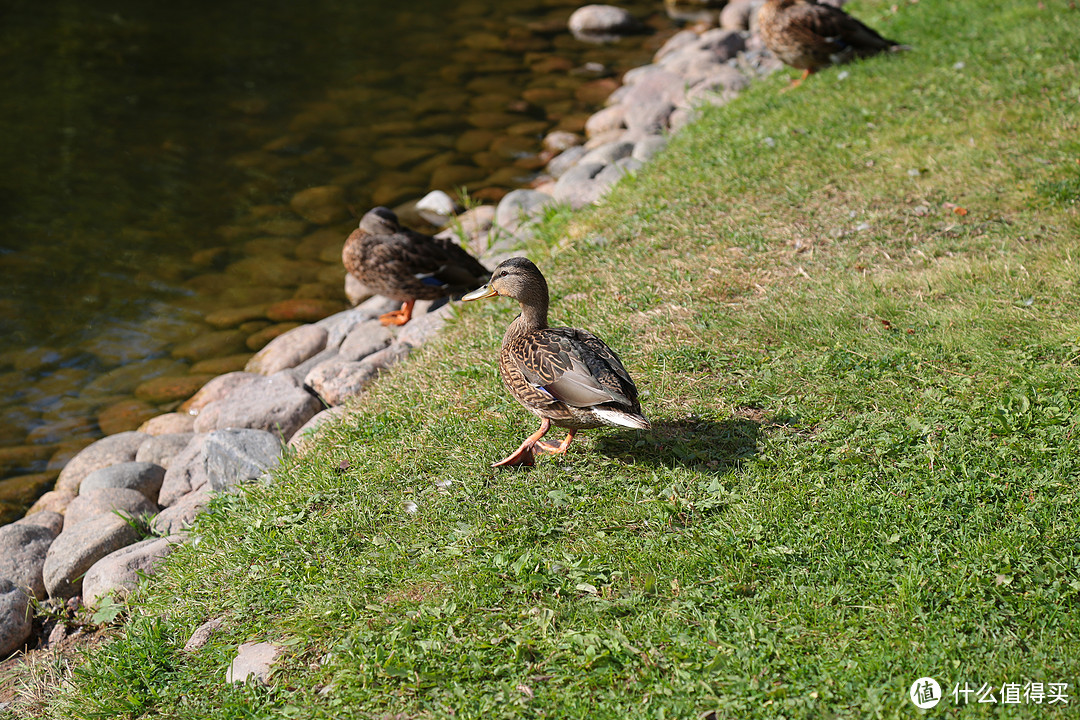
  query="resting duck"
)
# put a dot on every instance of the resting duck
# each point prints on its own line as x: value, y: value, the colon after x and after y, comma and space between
x: 406, y: 265
x: 808, y: 35
x: 565, y: 376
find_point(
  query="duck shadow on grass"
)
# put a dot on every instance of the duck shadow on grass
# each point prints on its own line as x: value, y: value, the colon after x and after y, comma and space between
x: 714, y: 447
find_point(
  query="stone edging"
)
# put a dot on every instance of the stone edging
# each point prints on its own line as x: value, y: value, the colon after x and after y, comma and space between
x: 73, y: 542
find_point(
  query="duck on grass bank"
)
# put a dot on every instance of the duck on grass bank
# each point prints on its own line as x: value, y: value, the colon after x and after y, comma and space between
x: 406, y: 265
x: 565, y: 376
x: 808, y: 35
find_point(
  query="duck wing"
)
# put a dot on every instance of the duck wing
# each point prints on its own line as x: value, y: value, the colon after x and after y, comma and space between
x: 458, y: 270
x: 414, y: 259
x: 830, y: 30
x: 574, y: 367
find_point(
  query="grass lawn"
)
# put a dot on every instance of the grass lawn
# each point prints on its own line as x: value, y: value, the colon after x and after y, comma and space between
x: 853, y: 310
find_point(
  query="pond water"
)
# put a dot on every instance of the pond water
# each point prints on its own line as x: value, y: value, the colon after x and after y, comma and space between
x: 151, y: 152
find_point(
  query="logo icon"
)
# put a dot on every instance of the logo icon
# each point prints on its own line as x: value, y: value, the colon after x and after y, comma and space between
x: 925, y: 693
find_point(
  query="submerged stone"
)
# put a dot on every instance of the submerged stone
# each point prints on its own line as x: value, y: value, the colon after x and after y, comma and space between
x: 303, y: 310
x: 125, y: 415
x: 171, y: 388
x: 213, y: 344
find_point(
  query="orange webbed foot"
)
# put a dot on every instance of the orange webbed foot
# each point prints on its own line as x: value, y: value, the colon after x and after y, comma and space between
x: 554, y: 449
x: 524, y: 454
x: 400, y: 316
x: 522, y: 457
x: 796, y: 82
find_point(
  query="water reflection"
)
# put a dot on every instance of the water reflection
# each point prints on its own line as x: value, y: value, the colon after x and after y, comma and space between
x: 153, y: 154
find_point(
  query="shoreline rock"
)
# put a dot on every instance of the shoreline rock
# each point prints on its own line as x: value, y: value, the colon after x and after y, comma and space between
x: 235, y: 427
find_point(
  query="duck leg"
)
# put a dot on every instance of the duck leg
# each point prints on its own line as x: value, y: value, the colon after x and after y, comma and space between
x: 400, y: 316
x: 798, y: 81
x: 554, y: 449
x: 524, y: 454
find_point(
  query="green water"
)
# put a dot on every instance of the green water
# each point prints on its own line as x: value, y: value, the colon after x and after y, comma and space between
x: 139, y: 139
x: 117, y: 119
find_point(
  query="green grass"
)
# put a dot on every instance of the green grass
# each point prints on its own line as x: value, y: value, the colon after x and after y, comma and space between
x: 864, y: 461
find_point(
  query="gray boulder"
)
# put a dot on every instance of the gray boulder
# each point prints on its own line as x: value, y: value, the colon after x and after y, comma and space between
x: 288, y: 350
x: 337, y: 380
x: 388, y: 356
x: 220, y: 388
x: 161, y: 449
x: 601, y: 23
x: 356, y: 292
x: 15, y: 620
x: 650, y: 116
x: 437, y: 208
x: 651, y: 97
x: 576, y: 186
x: 421, y: 329
x: 609, y: 152
x: 339, y: 325
x: 298, y: 373
x: 564, y: 161
x: 607, y: 120
x: 173, y: 423
x: 694, y: 62
x: 676, y: 42
x: 736, y: 15
x: 218, y: 460
x: 50, y: 519
x: 77, y: 548
x: 119, y: 571
x: 364, y: 339
x: 22, y: 555
x: 614, y: 172
x: 180, y: 516
x: 646, y: 148
x: 305, y: 436
x: 110, y: 450
x: 275, y: 404
x: 557, y: 141
x: 107, y: 501
x: 720, y: 86
x: 143, y: 477
x: 521, y: 206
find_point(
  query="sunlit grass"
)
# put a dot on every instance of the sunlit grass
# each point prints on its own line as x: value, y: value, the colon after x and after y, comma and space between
x: 852, y: 312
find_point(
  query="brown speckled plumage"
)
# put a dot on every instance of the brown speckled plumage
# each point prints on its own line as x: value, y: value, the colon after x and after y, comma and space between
x: 565, y: 376
x: 406, y: 265
x: 809, y: 36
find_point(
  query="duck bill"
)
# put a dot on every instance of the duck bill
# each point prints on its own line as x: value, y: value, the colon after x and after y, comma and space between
x: 480, y: 293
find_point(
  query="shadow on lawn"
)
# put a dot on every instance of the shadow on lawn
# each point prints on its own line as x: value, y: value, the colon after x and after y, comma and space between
x: 707, y: 445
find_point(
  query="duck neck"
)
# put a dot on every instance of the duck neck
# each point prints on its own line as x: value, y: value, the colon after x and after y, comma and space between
x: 533, y: 317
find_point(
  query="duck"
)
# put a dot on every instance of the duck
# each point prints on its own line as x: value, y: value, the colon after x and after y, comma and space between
x: 565, y: 376
x: 810, y: 35
x: 406, y: 265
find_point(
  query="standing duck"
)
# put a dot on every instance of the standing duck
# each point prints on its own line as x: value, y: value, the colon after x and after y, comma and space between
x: 406, y: 265
x: 809, y: 35
x: 565, y: 376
